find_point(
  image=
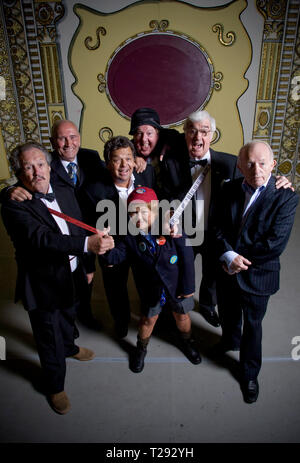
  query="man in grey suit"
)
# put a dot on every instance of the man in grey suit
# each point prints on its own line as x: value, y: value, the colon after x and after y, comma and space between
x: 253, y: 227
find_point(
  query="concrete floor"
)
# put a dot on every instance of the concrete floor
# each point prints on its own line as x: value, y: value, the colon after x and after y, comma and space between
x: 171, y: 401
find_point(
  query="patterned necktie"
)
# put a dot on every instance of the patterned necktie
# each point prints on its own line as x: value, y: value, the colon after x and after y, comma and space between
x: 72, y: 170
x: 48, y: 196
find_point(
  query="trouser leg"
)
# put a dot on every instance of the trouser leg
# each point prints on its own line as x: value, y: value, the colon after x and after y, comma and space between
x: 115, y: 283
x: 54, y: 336
x: 230, y: 310
x: 207, y: 292
x: 254, y: 308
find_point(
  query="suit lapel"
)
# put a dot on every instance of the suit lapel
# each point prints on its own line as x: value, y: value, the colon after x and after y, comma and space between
x: 40, y: 209
x: 263, y: 197
x: 59, y: 170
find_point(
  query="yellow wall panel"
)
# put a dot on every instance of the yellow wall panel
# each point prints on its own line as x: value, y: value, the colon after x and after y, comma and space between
x: 230, y: 60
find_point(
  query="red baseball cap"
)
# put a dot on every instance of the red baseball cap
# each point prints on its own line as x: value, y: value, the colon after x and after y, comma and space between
x: 142, y: 194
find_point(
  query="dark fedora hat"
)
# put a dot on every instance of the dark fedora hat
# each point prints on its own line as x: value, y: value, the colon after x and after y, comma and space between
x: 144, y: 116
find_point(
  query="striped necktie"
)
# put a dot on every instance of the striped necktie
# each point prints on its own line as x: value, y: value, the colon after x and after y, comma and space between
x: 72, y: 170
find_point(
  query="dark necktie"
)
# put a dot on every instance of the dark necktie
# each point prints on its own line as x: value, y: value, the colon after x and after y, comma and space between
x: 152, y: 243
x: 152, y: 248
x: 195, y: 162
x: 48, y: 196
x: 72, y: 171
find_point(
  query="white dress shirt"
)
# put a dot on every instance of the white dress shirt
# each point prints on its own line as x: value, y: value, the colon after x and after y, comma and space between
x: 250, y: 197
x: 63, y: 226
x: 203, y: 193
x: 125, y: 192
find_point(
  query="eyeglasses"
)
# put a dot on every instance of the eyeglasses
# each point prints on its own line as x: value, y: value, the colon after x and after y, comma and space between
x: 202, y: 132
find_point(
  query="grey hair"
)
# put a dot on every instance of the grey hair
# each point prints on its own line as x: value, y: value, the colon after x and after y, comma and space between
x: 22, y: 148
x: 247, y: 147
x: 199, y: 116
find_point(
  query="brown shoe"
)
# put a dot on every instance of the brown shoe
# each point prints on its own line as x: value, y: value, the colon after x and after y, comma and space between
x: 84, y: 354
x: 60, y: 402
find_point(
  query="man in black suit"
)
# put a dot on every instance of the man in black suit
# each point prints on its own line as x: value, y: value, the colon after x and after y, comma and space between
x: 180, y: 169
x: 72, y: 167
x: 52, y: 259
x: 152, y: 142
x: 253, y: 226
x: 119, y: 155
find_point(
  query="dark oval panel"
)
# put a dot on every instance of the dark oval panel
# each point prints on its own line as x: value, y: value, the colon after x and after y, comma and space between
x: 161, y: 71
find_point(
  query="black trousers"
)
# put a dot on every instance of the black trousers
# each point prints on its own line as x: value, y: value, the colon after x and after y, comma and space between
x: 241, y: 315
x: 208, y: 292
x: 54, y: 334
x: 115, y: 283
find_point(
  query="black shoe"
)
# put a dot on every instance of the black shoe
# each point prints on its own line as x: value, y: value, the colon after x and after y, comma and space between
x: 220, y: 349
x: 121, y: 330
x: 137, y: 362
x: 210, y: 316
x: 190, y: 350
x: 250, y: 391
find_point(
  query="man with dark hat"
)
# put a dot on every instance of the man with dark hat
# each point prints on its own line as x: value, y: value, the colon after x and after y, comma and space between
x: 152, y: 142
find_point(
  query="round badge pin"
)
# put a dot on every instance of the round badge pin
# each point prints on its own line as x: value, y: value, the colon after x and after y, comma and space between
x: 173, y: 259
x: 140, y: 191
x: 142, y: 246
x: 161, y: 240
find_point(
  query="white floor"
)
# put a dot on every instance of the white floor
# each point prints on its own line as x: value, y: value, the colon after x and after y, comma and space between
x: 171, y: 401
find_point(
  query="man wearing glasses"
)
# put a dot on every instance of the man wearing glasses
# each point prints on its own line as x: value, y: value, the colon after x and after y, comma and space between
x: 194, y: 152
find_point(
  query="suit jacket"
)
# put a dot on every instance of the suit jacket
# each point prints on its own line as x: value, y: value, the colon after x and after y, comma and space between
x: 153, y: 272
x: 178, y: 179
x: 91, y: 169
x: 262, y: 237
x: 44, y: 277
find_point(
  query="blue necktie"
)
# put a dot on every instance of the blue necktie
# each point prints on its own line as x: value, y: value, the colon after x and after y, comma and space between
x: 72, y: 170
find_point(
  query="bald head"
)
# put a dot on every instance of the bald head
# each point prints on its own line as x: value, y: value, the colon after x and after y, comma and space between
x: 65, y: 139
x: 256, y: 162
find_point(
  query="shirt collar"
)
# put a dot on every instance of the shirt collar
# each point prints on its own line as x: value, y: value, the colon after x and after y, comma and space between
x: 249, y: 189
x: 66, y: 163
x: 131, y: 185
x: 206, y: 156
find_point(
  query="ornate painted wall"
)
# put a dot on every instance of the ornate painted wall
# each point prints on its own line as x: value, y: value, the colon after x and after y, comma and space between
x: 62, y: 59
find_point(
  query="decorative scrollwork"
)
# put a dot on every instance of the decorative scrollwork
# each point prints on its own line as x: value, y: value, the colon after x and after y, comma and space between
x: 60, y: 10
x: 219, y: 28
x: 44, y: 14
x: 217, y: 77
x: 216, y: 136
x: 101, y: 30
x: 102, y: 85
x: 103, y: 131
x: 274, y: 9
x: 159, y: 25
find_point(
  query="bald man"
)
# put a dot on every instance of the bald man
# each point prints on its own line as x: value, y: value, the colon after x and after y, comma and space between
x: 254, y: 224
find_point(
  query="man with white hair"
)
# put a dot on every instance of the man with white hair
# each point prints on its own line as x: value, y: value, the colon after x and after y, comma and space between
x: 194, y: 151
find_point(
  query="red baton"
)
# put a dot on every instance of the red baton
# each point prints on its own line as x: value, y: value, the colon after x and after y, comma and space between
x: 72, y: 220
